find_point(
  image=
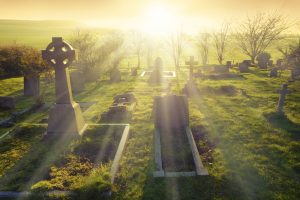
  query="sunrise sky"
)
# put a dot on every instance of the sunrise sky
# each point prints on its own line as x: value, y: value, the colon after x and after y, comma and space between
x: 137, y: 12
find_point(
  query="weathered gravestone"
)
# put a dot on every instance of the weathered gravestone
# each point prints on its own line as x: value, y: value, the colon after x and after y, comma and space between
x: 247, y: 62
x: 32, y: 85
x: 191, y: 64
x: 156, y: 75
x: 115, y: 75
x: 65, y: 117
x: 77, y: 81
x: 295, y: 73
x: 274, y: 72
x: 7, y: 102
x: 283, y: 92
x: 243, y: 67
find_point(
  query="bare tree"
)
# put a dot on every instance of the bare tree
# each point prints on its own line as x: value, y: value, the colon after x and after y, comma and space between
x: 220, y: 39
x: 203, y: 41
x: 258, y: 32
x: 175, y: 42
x: 138, y: 45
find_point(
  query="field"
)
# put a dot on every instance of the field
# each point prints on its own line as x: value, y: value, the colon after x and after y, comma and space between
x: 249, y: 150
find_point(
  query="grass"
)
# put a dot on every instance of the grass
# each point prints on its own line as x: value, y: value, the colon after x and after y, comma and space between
x: 250, y: 152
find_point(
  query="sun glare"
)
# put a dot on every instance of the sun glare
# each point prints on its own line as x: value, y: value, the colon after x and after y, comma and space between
x: 158, y: 20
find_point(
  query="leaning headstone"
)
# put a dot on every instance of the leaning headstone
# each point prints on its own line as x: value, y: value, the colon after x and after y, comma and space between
x: 274, y: 72
x: 32, y: 85
x: 243, y: 67
x: 66, y: 116
x: 170, y: 112
x: 191, y: 64
x: 115, y: 75
x: 283, y: 92
x: 7, y: 103
x: 77, y: 81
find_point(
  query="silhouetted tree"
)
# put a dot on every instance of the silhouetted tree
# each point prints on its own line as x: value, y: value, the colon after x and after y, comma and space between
x: 203, y: 42
x: 258, y: 32
x: 138, y: 40
x: 175, y: 42
x: 220, y: 39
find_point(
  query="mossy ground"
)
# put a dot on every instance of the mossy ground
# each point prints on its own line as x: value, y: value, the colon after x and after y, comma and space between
x: 250, y: 152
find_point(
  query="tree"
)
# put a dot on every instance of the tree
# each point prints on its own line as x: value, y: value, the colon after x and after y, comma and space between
x: 175, y: 42
x: 138, y: 44
x: 258, y: 32
x: 203, y: 41
x: 220, y: 39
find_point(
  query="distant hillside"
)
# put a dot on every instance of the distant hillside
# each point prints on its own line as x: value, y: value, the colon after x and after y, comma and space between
x: 35, y: 33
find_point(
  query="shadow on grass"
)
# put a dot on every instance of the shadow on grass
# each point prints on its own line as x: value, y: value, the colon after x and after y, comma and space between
x: 283, y: 122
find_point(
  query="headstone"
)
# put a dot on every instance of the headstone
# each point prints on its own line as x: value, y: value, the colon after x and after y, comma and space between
x: 170, y: 111
x: 134, y: 71
x: 243, y: 67
x: 247, y: 62
x: 32, y: 85
x: 279, y: 62
x: 191, y: 64
x: 7, y: 103
x: 283, y: 92
x: 115, y: 75
x: 77, y: 81
x: 229, y: 63
x: 274, y: 72
x: 156, y: 75
x: 65, y: 117
x: 262, y: 64
x: 295, y: 73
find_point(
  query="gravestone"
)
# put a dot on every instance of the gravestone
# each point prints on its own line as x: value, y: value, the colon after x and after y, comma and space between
x: 191, y: 64
x: 295, y: 73
x: 170, y: 111
x: 283, y: 92
x: 274, y: 72
x: 134, y: 71
x: 65, y: 117
x: 32, y: 85
x: 115, y: 75
x: 77, y: 81
x: 262, y: 64
x: 156, y: 75
x: 243, y: 67
x: 7, y: 102
x: 247, y: 62
x: 222, y: 69
x: 229, y: 63
x: 279, y: 62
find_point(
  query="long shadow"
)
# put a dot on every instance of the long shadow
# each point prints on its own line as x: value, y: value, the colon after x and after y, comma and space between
x: 283, y: 122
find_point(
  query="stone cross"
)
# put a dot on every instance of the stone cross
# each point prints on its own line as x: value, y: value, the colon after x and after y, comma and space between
x: 191, y: 63
x: 60, y: 55
x: 66, y: 116
x: 283, y: 92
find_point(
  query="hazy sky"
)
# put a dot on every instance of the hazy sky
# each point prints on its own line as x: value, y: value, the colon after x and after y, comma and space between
x: 120, y: 11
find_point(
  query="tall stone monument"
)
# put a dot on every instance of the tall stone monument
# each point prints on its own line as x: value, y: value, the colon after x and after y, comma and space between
x: 66, y: 116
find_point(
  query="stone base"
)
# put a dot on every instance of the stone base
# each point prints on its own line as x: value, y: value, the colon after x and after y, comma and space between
x: 66, y: 119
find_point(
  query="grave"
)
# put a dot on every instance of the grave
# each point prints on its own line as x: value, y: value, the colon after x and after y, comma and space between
x: 274, y: 72
x: 295, y: 73
x: 7, y: 102
x: 221, y: 69
x: 66, y: 116
x: 190, y: 87
x: 115, y: 75
x: 172, y: 132
x: 32, y: 85
x: 77, y: 81
x: 283, y: 92
x: 243, y: 67
x: 121, y: 109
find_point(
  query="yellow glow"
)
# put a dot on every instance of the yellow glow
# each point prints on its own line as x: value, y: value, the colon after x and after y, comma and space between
x: 158, y: 20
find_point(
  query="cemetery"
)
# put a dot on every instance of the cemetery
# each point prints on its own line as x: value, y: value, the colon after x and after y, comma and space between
x: 95, y: 113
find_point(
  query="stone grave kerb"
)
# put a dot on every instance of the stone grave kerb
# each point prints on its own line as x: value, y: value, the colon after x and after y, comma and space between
x: 191, y: 64
x: 60, y: 55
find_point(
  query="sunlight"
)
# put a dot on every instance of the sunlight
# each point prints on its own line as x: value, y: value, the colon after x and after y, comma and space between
x: 158, y: 20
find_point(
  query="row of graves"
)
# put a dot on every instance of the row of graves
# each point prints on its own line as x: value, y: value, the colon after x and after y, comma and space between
x: 66, y: 133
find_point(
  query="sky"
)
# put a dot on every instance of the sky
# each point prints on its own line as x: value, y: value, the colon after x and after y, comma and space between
x: 133, y: 12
